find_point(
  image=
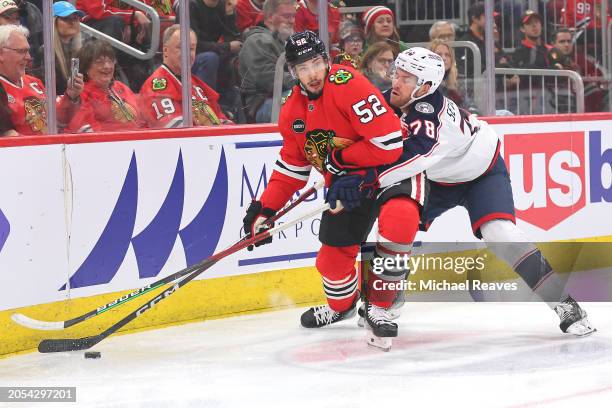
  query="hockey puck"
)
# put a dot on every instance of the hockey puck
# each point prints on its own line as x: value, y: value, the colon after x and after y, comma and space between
x: 93, y: 354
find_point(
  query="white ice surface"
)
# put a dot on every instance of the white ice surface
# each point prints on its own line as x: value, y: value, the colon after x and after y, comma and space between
x: 447, y: 355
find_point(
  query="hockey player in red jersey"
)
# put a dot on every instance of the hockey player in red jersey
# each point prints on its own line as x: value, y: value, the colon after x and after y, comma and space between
x: 337, y: 122
x: 161, y: 95
x: 460, y: 154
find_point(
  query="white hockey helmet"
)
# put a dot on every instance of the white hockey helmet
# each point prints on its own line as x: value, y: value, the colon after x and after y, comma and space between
x: 426, y: 65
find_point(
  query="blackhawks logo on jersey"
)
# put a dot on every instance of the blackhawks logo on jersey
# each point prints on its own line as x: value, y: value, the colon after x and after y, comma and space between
x: 341, y: 77
x: 159, y: 84
x: 203, y: 115
x: 35, y: 114
x: 319, y: 142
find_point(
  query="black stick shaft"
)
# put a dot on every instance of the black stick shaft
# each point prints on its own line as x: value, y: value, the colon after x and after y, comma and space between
x: 177, y: 275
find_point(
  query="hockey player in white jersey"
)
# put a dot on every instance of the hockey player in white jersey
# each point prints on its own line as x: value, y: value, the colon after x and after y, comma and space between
x: 460, y: 155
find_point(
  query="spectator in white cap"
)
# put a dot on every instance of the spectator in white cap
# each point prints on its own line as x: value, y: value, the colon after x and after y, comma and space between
x: 379, y: 25
x: 66, y: 42
x: 9, y: 12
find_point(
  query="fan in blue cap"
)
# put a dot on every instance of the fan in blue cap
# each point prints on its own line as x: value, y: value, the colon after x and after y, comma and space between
x: 65, y: 9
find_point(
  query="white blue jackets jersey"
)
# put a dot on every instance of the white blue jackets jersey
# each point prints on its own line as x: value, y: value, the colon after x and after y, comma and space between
x: 448, y: 143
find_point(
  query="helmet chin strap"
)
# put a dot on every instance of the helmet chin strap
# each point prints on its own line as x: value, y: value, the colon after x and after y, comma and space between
x: 412, y: 97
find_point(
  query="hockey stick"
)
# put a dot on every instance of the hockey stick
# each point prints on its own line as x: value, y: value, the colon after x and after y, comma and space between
x: 58, y: 345
x: 35, y: 324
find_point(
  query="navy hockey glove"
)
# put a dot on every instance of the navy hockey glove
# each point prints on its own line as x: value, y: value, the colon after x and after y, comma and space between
x: 254, y: 220
x: 352, y: 188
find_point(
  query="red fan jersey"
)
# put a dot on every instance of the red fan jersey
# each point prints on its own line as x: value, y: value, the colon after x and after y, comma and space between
x: 577, y: 10
x: 351, y: 114
x: 26, y: 102
x: 306, y: 20
x: 104, y: 110
x: 101, y: 9
x: 161, y: 101
x: 248, y: 14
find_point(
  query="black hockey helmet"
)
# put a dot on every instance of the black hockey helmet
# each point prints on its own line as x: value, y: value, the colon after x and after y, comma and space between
x: 303, y: 46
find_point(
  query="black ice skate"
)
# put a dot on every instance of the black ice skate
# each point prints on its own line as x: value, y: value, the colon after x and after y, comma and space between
x: 381, y: 327
x: 320, y: 316
x: 573, y: 318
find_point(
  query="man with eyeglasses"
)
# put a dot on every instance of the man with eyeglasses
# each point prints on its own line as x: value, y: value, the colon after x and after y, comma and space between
x: 25, y: 94
x: 460, y: 154
x: 336, y: 121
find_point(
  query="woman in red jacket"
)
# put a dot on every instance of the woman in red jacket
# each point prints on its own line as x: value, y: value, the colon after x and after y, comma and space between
x: 107, y: 104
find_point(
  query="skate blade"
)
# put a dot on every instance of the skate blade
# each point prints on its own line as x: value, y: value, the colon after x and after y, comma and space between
x: 580, y: 330
x: 361, y: 322
x: 382, y: 343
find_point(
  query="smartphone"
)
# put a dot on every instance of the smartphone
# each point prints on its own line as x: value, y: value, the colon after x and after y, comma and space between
x: 74, y: 70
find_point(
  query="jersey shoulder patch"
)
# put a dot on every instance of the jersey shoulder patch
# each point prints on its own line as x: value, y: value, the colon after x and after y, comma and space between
x: 340, y: 77
x: 424, y: 107
x: 159, y: 84
x: 430, y: 105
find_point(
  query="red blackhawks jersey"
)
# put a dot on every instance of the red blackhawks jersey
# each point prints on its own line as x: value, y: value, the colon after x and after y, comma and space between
x: 161, y: 101
x: 26, y: 102
x: 163, y: 7
x: 101, y: 9
x: 577, y: 10
x: 351, y: 114
x: 112, y: 109
x: 248, y: 14
x: 307, y: 20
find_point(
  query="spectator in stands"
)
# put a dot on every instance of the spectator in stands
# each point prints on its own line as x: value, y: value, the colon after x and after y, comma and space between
x: 561, y: 56
x: 66, y: 43
x: 475, y: 34
x: 25, y: 94
x: 532, y: 52
x: 307, y: 18
x: 115, y: 21
x: 451, y: 87
x: 264, y: 43
x: 218, y: 40
x: 107, y: 104
x: 442, y: 30
x: 379, y: 25
x: 31, y: 18
x: 9, y: 12
x: 351, y: 45
x: 161, y: 97
x: 249, y: 13
x: 376, y: 63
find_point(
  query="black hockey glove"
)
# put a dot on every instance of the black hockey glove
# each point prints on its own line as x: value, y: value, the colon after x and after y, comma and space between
x: 352, y: 188
x: 254, y: 220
